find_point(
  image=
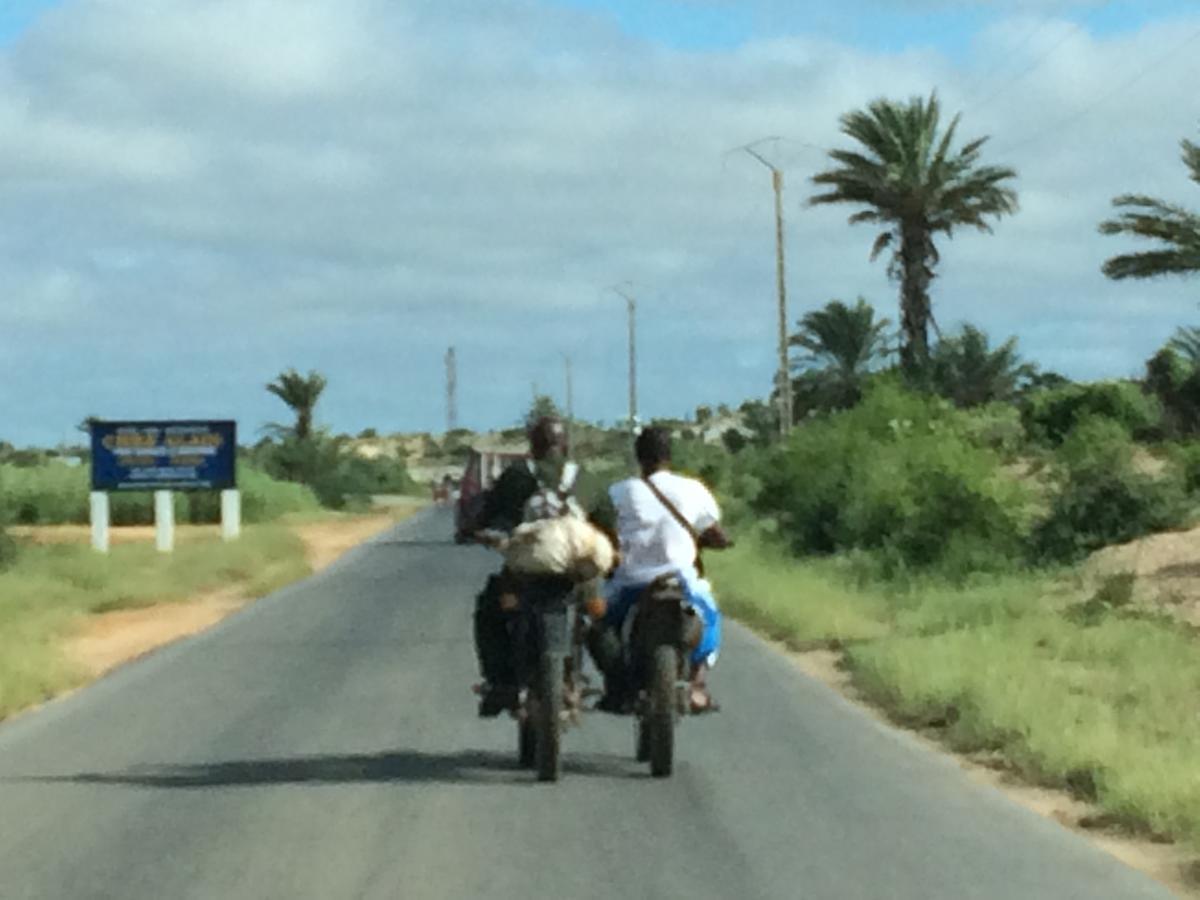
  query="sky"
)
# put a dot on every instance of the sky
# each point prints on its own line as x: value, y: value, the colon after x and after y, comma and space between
x: 195, y: 197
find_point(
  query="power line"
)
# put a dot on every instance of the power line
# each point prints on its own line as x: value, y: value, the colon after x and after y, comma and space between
x: 1092, y: 107
x: 972, y: 89
x: 1032, y: 67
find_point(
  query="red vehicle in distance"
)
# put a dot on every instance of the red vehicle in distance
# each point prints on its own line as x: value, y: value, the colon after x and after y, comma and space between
x: 484, y: 465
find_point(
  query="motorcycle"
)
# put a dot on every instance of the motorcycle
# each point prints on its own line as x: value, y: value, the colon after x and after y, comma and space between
x: 548, y: 640
x: 549, y: 650
x: 664, y: 632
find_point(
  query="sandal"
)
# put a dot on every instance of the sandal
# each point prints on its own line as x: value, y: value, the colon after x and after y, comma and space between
x: 701, y: 701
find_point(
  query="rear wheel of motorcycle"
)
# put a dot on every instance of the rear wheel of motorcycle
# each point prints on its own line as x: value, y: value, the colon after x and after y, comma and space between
x: 643, y: 738
x: 660, y: 722
x: 526, y: 743
x: 548, y: 717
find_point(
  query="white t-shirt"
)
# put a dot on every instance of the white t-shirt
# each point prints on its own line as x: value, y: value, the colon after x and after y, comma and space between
x: 652, y: 540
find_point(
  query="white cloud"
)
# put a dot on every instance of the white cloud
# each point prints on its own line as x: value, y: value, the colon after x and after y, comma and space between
x: 353, y: 184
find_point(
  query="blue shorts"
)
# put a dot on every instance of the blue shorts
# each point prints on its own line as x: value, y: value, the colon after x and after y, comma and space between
x: 699, y: 594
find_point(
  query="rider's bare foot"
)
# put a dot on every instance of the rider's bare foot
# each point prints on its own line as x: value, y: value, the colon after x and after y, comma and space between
x: 702, y: 701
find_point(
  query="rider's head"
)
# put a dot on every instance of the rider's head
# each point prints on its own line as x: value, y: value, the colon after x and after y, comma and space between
x: 653, y: 449
x: 548, y: 438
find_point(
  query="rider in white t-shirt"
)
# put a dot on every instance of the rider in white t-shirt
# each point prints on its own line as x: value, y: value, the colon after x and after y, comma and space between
x: 654, y: 542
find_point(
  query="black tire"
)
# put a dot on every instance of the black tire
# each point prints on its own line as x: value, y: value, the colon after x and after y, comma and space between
x: 642, y: 729
x: 548, y: 717
x: 660, y: 721
x: 526, y: 743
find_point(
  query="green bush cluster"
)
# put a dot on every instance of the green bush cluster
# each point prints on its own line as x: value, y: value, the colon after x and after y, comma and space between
x: 1101, y: 498
x: 901, y: 476
x: 335, y: 476
x: 1050, y: 415
x: 906, y: 482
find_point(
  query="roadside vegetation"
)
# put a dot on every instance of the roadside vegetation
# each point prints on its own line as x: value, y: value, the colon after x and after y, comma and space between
x: 933, y: 516
x: 47, y: 588
x: 297, y: 474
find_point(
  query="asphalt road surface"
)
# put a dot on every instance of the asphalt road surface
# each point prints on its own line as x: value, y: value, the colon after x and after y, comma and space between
x: 324, y: 744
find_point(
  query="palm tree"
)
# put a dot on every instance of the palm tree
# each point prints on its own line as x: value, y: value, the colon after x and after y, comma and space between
x: 1186, y: 342
x: 911, y: 182
x: 1176, y: 228
x: 967, y: 371
x: 842, y: 343
x: 300, y: 393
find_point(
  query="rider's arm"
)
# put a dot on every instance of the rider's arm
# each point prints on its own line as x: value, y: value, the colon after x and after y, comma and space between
x: 708, y: 525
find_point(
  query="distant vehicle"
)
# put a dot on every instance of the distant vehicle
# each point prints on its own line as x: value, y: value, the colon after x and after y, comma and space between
x: 483, y: 468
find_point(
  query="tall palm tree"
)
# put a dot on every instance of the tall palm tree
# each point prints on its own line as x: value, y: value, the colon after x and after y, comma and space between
x: 300, y: 393
x: 911, y: 181
x: 1176, y: 228
x: 842, y: 342
x: 969, y: 372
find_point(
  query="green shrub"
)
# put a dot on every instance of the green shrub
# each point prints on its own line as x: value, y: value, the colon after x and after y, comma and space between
x: 1102, y: 498
x: 1050, y: 415
x: 899, y: 477
x: 336, y: 476
x: 1186, y: 458
x: 996, y: 426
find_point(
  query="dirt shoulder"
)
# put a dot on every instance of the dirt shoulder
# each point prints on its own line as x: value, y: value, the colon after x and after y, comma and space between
x: 105, y: 641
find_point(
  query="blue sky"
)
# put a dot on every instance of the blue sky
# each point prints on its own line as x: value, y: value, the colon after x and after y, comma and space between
x: 196, y: 194
x: 876, y: 25
x: 16, y: 16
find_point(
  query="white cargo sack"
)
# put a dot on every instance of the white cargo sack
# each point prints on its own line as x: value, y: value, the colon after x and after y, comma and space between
x: 565, y: 545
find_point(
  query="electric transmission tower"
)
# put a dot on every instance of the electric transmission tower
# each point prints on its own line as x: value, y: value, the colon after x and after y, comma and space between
x: 451, y: 390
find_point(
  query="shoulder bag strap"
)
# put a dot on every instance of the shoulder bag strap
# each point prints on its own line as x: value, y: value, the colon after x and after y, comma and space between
x: 678, y: 517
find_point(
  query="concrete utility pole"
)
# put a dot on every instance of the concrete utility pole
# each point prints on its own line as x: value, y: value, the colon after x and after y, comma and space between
x: 782, y: 377
x: 451, y: 390
x: 570, y: 397
x: 631, y: 304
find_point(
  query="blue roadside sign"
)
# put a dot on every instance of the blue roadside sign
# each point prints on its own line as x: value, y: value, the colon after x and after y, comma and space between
x: 177, y: 455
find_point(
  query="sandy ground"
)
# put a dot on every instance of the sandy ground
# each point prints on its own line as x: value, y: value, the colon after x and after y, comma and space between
x: 1167, y: 570
x: 1167, y: 863
x: 110, y: 639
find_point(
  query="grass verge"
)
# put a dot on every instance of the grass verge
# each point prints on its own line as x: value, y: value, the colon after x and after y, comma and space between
x: 47, y: 589
x: 1091, y: 697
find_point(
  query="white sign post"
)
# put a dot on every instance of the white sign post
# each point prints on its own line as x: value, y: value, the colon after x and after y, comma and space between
x: 231, y: 515
x: 164, y: 521
x: 100, y: 521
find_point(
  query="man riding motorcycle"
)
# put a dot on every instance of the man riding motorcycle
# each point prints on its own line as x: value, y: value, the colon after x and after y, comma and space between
x: 538, y: 487
x: 660, y: 521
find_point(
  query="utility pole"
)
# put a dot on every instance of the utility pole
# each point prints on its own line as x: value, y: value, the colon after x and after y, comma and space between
x: 782, y: 377
x: 631, y: 304
x: 570, y: 398
x: 451, y: 390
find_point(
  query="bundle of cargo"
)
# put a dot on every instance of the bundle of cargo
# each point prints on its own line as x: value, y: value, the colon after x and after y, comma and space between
x: 564, y: 545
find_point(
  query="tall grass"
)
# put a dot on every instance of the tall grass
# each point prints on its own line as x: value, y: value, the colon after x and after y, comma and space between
x: 1084, y: 695
x: 49, y: 587
x: 797, y: 603
x: 1106, y: 711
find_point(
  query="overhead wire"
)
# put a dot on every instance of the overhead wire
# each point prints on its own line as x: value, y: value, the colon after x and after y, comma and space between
x: 1084, y: 111
x: 972, y: 89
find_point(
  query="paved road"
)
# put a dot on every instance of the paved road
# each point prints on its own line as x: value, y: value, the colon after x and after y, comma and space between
x: 323, y: 744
